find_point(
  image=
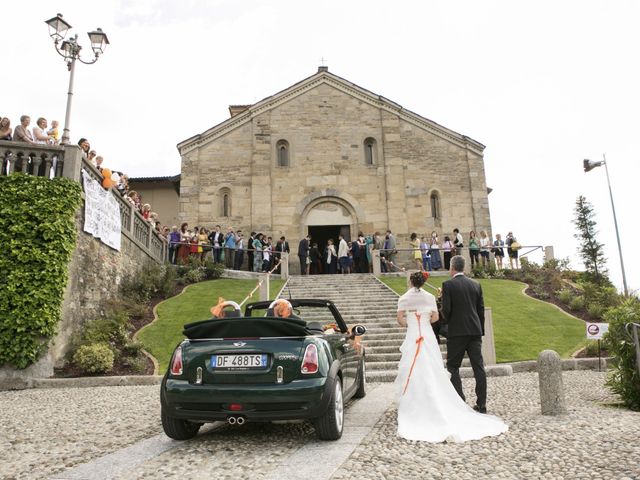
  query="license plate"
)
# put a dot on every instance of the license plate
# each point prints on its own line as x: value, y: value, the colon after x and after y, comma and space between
x: 252, y: 360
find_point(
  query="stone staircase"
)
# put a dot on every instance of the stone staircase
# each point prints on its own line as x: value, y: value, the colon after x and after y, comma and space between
x: 363, y: 300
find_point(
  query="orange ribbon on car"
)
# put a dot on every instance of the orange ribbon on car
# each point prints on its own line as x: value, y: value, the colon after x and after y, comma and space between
x: 419, y: 341
x: 218, y: 310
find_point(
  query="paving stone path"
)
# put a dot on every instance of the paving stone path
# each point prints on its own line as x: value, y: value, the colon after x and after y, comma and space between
x: 65, y: 433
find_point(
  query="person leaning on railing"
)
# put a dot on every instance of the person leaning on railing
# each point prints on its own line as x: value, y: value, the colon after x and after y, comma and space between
x: 174, y: 243
x: 21, y: 133
x: 5, y: 129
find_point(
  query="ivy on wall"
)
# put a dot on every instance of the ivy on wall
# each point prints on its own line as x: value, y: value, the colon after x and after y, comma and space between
x: 37, y: 238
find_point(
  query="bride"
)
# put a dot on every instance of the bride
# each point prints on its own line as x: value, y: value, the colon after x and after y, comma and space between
x: 429, y: 408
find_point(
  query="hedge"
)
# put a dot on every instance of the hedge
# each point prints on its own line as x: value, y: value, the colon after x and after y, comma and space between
x: 37, y: 238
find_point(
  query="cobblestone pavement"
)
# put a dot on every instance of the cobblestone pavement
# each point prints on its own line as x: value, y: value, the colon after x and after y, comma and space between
x: 594, y: 441
x: 46, y: 432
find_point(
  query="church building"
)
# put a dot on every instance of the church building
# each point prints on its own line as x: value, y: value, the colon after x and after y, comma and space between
x: 326, y: 156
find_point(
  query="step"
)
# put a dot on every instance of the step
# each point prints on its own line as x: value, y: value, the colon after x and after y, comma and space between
x: 465, y: 372
x: 383, y: 358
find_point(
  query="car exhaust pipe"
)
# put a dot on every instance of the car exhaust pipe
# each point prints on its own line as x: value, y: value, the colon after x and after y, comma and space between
x: 231, y: 420
x: 240, y: 421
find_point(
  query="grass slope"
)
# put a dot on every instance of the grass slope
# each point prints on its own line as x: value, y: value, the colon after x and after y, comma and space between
x: 161, y: 337
x: 523, y: 326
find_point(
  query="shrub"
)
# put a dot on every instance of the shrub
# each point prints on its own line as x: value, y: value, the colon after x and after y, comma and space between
x: 167, y: 284
x: 213, y: 270
x: 151, y: 281
x: 111, y: 330
x: 576, y: 303
x: 95, y: 358
x: 601, y: 293
x: 540, y: 292
x: 137, y: 364
x: 497, y: 274
x: 132, y: 349
x: 558, y: 264
x: 565, y: 295
x: 624, y: 378
x: 595, y: 310
x: 37, y: 235
x: 194, y: 276
x: 591, y: 348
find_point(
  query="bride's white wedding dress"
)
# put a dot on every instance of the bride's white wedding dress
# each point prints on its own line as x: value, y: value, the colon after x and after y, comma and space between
x: 429, y: 409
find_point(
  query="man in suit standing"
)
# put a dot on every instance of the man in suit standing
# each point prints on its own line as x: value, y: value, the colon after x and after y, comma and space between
x: 303, y: 254
x: 281, y: 247
x: 216, y: 239
x: 250, y: 251
x: 390, y: 246
x: 463, y: 312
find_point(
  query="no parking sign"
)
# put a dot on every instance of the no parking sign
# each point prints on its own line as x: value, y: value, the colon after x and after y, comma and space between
x: 595, y: 331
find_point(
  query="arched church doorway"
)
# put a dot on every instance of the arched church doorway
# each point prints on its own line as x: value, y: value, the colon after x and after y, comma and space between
x: 328, y: 219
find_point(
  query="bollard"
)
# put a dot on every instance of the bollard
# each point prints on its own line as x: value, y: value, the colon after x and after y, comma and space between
x: 264, y: 288
x: 375, y: 262
x: 284, y: 266
x: 551, y: 387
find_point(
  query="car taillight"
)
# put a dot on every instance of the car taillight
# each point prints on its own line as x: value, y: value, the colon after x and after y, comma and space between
x: 176, y: 362
x: 310, y: 360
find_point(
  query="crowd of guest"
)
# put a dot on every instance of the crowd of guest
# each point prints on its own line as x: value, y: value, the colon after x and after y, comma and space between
x: 427, y: 251
x: 230, y: 247
x: 226, y: 247
x: 120, y: 182
x: 40, y: 133
x: 43, y: 134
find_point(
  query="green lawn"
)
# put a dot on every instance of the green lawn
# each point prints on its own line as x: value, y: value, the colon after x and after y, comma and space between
x: 161, y: 337
x: 523, y: 327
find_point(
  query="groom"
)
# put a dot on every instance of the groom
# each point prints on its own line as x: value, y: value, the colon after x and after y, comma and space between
x: 463, y: 311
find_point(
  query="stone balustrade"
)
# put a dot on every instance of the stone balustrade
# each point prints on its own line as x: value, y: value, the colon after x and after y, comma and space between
x: 34, y: 159
x: 66, y: 161
x: 133, y: 224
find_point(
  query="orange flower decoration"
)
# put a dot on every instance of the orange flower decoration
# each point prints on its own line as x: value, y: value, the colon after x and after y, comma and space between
x: 218, y: 310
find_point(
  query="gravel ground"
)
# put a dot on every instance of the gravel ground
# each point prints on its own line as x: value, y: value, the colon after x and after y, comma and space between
x: 594, y: 441
x: 46, y: 431
x: 43, y: 432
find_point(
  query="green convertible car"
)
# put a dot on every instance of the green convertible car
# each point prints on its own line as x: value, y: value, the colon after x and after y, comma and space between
x: 281, y: 360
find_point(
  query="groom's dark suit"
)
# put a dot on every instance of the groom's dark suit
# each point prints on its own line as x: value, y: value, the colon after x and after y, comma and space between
x: 463, y: 311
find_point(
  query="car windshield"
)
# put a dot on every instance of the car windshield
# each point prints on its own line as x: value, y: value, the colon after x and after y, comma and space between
x: 317, y: 314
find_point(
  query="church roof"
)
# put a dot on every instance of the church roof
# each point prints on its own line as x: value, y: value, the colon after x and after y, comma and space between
x: 324, y: 76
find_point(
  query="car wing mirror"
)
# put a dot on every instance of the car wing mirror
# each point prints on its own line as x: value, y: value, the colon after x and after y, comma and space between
x: 358, y: 330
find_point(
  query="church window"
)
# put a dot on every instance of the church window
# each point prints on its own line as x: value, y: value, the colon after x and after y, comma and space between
x: 435, y: 206
x: 225, y: 202
x: 370, y: 151
x: 282, y: 152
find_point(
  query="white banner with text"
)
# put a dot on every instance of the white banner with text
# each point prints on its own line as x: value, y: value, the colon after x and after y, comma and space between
x: 101, y: 213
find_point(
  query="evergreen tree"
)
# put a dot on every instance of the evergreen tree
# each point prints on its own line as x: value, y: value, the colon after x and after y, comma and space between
x: 590, y: 250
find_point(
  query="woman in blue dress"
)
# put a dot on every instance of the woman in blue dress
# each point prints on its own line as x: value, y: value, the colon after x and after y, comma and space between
x: 434, y: 252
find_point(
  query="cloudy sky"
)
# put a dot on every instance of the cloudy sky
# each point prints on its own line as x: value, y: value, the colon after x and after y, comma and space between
x: 542, y: 84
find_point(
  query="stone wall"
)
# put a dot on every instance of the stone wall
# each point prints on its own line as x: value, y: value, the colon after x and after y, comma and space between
x: 95, y: 274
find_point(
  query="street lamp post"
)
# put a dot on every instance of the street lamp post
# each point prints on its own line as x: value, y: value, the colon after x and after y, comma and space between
x: 590, y: 165
x: 70, y: 51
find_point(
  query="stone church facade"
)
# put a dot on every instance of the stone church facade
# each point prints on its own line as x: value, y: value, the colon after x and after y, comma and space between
x: 326, y: 156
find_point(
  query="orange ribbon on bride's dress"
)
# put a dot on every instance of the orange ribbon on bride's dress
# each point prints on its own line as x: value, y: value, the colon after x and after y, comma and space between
x: 419, y: 341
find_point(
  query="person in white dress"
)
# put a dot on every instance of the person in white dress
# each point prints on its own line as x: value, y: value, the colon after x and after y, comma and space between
x: 429, y: 408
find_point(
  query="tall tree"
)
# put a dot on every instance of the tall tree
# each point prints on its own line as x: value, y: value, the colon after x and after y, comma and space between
x: 590, y: 250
